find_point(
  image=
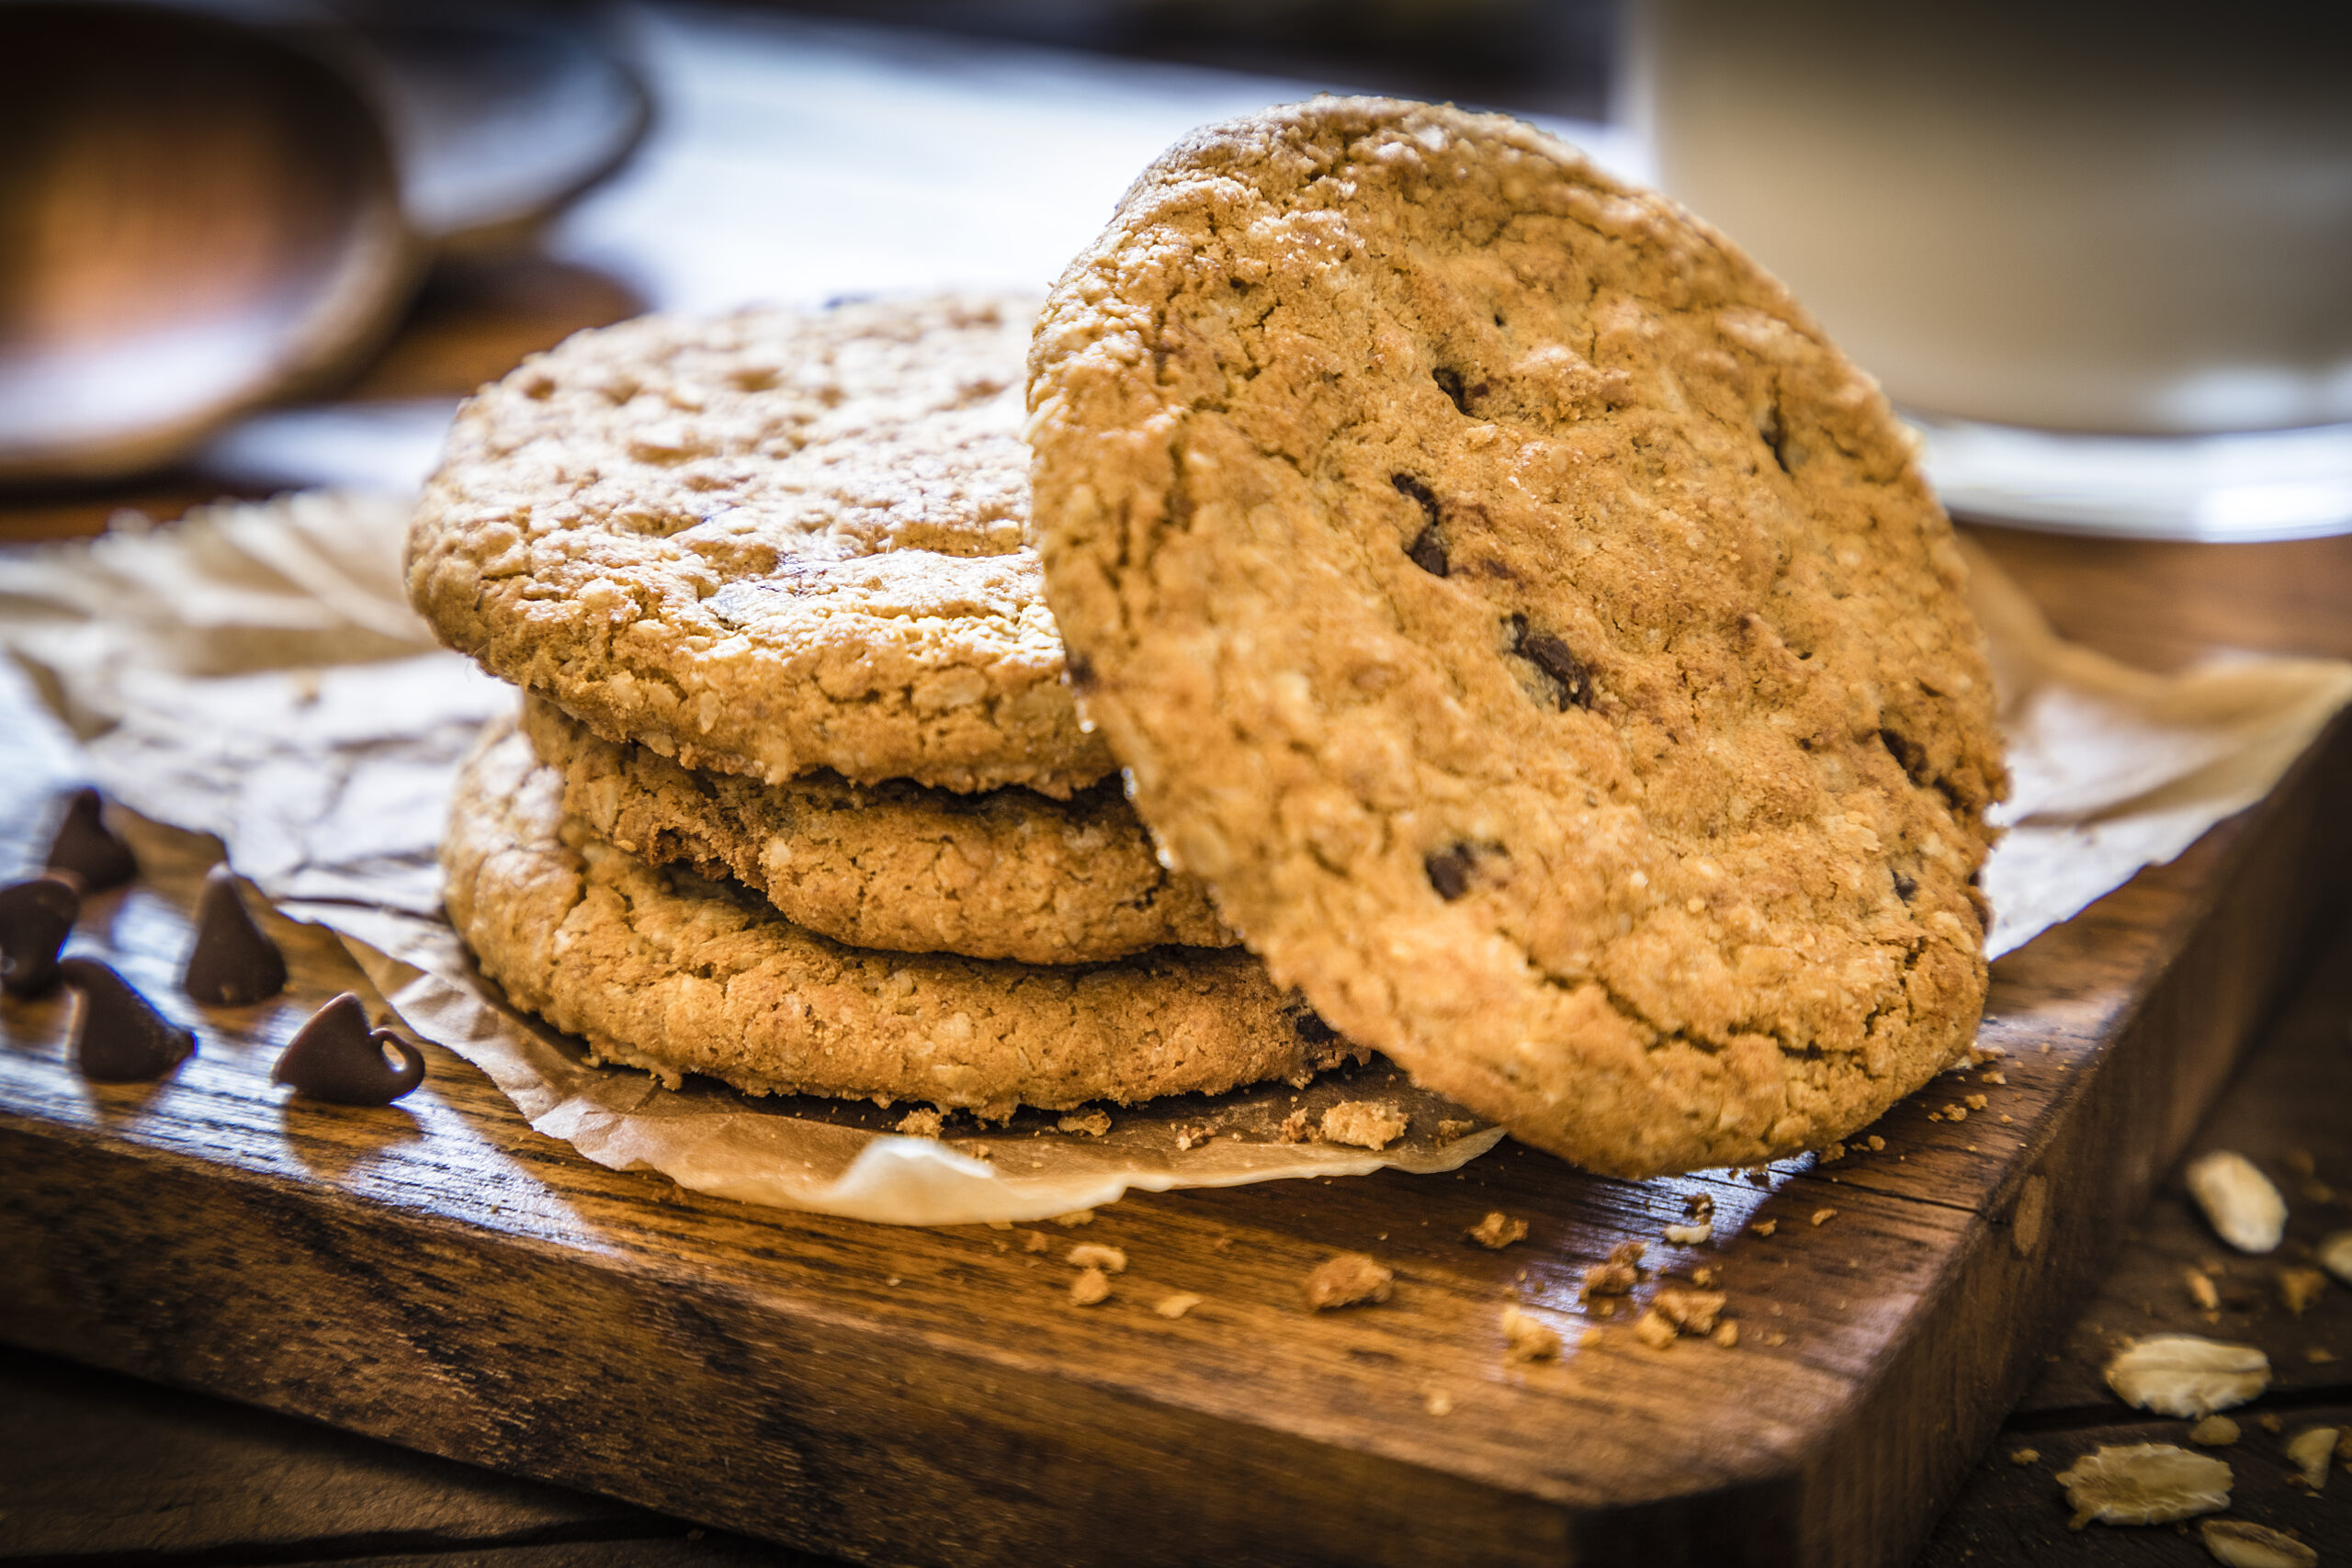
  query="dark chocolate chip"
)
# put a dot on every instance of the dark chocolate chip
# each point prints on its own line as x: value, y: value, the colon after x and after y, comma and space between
x: 1571, y: 677
x: 1449, y: 872
x: 1428, y: 552
x: 1419, y: 495
x: 234, y: 962
x: 335, y: 1056
x: 1905, y: 886
x: 1449, y: 381
x: 1312, y: 1029
x: 1775, y: 437
x: 86, y: 846
x: 1080, y: 669
x: 119, y: 1037
x: 36, y: 917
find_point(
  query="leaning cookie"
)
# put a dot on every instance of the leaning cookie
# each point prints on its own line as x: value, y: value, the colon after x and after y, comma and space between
x: 1538, y: 636
x: 766, y: 543
x: 676, y: 975
x: 1008, y: 874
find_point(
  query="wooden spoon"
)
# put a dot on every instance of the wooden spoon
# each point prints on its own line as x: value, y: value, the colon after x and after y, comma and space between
x: 196, y: 218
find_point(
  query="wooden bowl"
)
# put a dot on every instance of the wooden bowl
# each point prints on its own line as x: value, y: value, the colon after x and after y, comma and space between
x: 196, y: 218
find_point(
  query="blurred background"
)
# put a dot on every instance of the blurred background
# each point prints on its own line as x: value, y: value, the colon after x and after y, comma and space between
x: 2101, y: 257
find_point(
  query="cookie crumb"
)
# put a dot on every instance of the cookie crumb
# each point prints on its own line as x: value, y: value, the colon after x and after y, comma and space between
x: 1496, y: 1231
x: 1222, y: 1244
x: 2270, y: 1424
x: 1956, y: 1113
x: 2299, y: 1288
x: 2201, y: 1290
x: 1996, y: 1076
x: 1832, y: 1154
x: 1973, y: 1101
x: 1703, y: 1277
x: 1090, y: 1288
x: 1451, y: 1129
x: 1293, y: 1129
x: 1823, y: 1216
x: 1773, y: 1337
x: 1526, y: 1338
x: 1364, y: 1123
x: 1875, y: 1144
x: 922, y: 1124
x: 1349, y: 1280
x: 1075, y: 1217
x: 1092, y: 1123
x: 1091, y: 1255
x: 1654, y: 1331
x: 1034, y: 1241
x: 1173, y: 1307
x: 1726, y: 1336
x: 2022, y: 1457
x: 1691, y: 1312
x: 2214, y: 1432
x: 1689, y: 1235
x: 1619, y: 1274
x: 2319, y: 1358
x: 1698, y: 1206
x: 1437, y: 1402
x: 1193, y: 1134
x: 1765, y: 1227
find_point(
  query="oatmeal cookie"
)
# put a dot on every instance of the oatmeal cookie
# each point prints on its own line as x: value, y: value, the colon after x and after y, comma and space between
x: 670, y: 972
x: 767, y: 544
x: 1534, y: 631
x: 1007, y: 873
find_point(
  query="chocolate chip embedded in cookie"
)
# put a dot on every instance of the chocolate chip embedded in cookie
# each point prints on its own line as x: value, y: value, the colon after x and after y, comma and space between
x: 1537, y: 634
x: 1006, y: 873
x: 767, y: 544
x: 675, y: 975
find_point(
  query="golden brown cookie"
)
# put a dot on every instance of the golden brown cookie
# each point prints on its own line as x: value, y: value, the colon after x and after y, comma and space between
x: 1537, y: 634
x: 1007, y: 873
x: 670, y: 972
x: 765, y: 542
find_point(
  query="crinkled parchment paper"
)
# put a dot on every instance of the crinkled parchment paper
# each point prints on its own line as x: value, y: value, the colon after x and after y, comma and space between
x: 256, y: 673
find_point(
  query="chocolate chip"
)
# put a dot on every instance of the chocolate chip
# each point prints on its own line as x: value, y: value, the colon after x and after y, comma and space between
x: 1571, y: 677
x: 1775, y: 437
x: 234, y: 962
x: 1905, y: 886
x: 1312, y: 1029
x: 1082, y: 671
x: 119, y: 1037
x: 1449, y: 381
x: 335, y: 1056
x: 1449, y: 872
x: 86, y: 846
x: 36, y: 917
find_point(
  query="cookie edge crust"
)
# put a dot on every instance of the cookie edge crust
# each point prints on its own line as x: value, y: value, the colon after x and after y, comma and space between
x: 515, y: 891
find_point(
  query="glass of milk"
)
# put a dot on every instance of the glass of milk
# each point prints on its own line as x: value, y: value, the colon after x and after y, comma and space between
x: 2103, y: 256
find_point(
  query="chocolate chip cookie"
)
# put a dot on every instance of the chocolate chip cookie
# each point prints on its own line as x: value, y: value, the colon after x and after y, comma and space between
x: 1533, y: 630
x: 1007, y: 873
x: 767, y: 544
x: 671, y: 973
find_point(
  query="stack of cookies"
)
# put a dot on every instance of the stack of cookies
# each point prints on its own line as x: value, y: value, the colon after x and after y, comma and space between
x: 1517, y: 624
x: 798, y: 797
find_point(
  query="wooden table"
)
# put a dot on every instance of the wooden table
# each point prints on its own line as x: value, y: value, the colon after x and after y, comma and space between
x: 2220, y: 970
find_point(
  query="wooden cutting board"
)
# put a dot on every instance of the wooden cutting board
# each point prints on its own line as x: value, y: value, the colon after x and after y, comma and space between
x: 437, y: 1274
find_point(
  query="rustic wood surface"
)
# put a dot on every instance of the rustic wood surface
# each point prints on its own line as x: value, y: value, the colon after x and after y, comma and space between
x: 437, y: 1274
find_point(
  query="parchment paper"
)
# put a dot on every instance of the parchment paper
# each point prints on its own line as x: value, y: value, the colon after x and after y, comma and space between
x: 256, y: 673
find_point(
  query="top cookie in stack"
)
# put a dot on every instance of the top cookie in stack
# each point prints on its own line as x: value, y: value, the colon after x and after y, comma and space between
x: 1535, y: 630
x: 763, y: 580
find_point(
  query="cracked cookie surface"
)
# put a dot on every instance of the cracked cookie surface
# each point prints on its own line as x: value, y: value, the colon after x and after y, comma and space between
x: 674, y: 974
x: 768, y: 542
x: 1537, y: 634
x: 1007, y: 873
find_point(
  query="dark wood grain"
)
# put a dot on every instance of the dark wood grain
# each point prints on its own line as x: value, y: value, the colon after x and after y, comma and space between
x: 2291, y: 1111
